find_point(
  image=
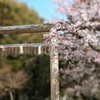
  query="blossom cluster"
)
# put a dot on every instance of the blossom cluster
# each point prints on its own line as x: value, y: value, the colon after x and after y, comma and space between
x: 78, y: 42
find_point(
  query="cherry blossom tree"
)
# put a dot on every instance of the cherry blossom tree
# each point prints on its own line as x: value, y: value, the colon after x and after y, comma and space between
x: 12, y: 81
x: 78, y: 42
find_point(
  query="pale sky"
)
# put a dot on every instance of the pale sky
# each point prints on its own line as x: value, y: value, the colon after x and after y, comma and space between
x: 45, y: 8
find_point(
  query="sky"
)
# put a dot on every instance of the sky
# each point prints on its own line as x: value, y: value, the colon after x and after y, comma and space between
x: 45, y: 9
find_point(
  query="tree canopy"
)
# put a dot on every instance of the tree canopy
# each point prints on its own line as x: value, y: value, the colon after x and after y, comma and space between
x: 78, y: 42
x: 13, y: 13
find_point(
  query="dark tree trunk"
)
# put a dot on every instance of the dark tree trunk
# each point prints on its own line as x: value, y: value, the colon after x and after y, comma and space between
x: 16, y: 95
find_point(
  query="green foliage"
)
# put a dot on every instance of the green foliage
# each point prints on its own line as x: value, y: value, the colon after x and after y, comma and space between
x: 14, y: 13
x: 41, y: 76
x: 39, y: 67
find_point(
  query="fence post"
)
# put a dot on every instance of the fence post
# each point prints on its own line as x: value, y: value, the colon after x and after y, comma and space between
x: 54, y: 75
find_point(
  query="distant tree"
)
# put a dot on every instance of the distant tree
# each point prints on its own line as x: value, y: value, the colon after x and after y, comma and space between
x: 11, y: 82
x: 39, y: 67
x: 14, y: 13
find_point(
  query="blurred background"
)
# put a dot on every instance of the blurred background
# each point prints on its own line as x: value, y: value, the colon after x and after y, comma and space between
x: 25, y: 76
x: 45, y: 8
